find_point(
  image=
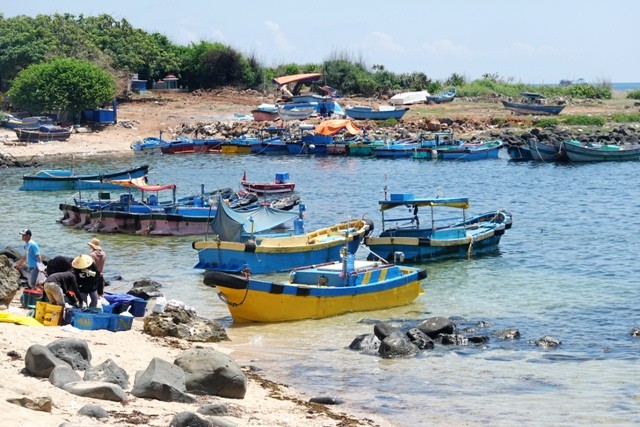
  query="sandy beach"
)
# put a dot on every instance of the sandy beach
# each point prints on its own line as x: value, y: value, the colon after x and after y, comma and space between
x: 265, y: 403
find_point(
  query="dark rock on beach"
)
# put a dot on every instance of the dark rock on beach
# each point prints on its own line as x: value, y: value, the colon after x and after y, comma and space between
x: 162, y: 380
x: 180, y: 322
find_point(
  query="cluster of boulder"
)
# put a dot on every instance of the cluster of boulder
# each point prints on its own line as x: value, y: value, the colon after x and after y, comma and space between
x: 8, y: 161
x: 389, y: 341
x: 621, y: 135
x: 197, y: 371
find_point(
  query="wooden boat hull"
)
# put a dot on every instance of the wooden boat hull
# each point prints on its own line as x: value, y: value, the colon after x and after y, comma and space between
x: 250, y: 300
x: 545, y: 152
x: 264, y: 116
x: 477, y: 235
x: 365, y: 114
x: 192, y: 146
x: 577, y: 152
x: 549, y: 110
x: 519, y: 152
x: 279, y: 254
x: 464, y: 152
x: 268, y: 188
x: 65, y: 180
x: 31, y: 135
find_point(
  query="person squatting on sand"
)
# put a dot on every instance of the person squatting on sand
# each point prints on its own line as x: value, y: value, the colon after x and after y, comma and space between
x: 89, y: 279
x: 59, y: 285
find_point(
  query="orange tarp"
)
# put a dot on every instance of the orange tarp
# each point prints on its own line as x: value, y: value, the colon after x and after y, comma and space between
x: 309, y: 77
x: 331, y: 127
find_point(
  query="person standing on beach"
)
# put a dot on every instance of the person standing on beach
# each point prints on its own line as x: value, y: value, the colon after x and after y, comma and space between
x: 99, y: 258
x: 98, y: 254
x: 31, y: 257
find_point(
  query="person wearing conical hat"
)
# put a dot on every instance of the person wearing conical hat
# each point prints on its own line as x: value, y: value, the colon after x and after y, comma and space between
x: 98, y: 254
x: 88, y: 278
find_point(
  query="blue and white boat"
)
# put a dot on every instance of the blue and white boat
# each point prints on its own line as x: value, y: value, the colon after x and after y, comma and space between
x: 412, y: 238
x: 230, y: 253
x: 363, y: 112
x: 443, y: 97
x: 67, y: 179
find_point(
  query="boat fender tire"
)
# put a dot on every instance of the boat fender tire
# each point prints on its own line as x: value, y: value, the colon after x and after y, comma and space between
x: 250, y: 246
x: 276, y: 289
x: 369, y: 224
x: 227, y: 280
x: 422, y: 274
x: 498, y: 231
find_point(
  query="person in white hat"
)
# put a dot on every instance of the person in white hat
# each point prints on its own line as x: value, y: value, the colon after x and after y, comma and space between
x: 31, y: 257
x: 88, y: 279
x: 99, y: 258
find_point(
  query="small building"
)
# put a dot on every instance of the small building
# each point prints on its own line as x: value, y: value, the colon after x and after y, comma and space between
x: 170, y: 82
x: 137, y: 85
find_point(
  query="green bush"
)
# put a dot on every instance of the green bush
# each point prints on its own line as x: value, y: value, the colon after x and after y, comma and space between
x: 584, y: 120
x: 633, y: 94
x: 626, y: 117
x: 548, y: 122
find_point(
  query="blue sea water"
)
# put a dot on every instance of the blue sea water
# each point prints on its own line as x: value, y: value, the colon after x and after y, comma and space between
x: 567, y: 269
x: 625, y: 86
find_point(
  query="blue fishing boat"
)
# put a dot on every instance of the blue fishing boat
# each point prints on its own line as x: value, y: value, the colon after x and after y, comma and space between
x: 443, y: 97
x: 533, y: 103
x: 230, y: 254
x: 469, y: 151
x: 519, y: 152
x: 396, y: 149
x: 546, y: 151
x: 411, y: 238
x: 363, y: 112
x: 67, y: 179
x: 594, y: 152
x: 318, y: 291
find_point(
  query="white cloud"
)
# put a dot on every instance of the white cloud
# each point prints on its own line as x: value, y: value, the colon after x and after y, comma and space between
x: 446, y: 47
x: 279, y: 38
x: 526, y: 49
x: 385, y: 42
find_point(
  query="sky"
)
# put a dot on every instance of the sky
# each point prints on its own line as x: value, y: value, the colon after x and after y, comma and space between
x: 528, y: 41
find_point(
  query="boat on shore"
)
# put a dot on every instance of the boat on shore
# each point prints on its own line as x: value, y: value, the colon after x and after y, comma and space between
x: 265, y: 113
x: 594, y: 152
x: 363, y: 112
x: 442, y: 97
x: 44, y: 133
x: 411, y: 238
x: 318, y: 291
x: 272, y: 254
x: 533, y: 103
x: 67, y: 179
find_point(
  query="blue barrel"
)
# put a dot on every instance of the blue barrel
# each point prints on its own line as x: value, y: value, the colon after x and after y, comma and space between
x: 298, y: 226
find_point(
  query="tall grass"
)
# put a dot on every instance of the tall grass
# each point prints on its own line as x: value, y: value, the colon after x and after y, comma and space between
x: 626, y: 117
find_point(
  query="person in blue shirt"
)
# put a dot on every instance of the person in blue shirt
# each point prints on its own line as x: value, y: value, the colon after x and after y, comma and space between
x: 31, y: 257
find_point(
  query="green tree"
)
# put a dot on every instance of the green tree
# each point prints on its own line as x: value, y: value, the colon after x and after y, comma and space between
x: 62, y: 85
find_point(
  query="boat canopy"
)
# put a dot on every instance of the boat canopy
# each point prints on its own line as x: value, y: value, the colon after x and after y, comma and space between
x: 533, y: 95
x: 451, y: 202
x: 332, y: 127
x: 297, y: 78
x: 231, y: 225
x: 140, y: 184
